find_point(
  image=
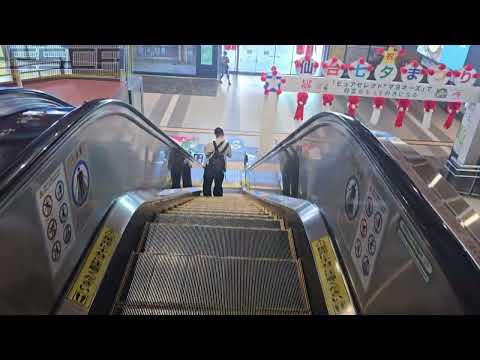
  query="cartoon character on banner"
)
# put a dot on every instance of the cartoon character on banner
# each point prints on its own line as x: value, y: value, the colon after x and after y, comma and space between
x: 358, y: 70
x: 305, y: 69
x: 273, y: 81
x: 413, y: 73
x: 387, y: 70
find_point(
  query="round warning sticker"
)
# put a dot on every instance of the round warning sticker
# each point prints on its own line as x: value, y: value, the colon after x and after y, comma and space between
x: 352, y: 198
x: 80, y: 183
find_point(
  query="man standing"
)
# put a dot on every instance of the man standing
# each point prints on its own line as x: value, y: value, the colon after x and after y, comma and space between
x: 180, y: 169
x: 215, y: 168
x: 224, y: 67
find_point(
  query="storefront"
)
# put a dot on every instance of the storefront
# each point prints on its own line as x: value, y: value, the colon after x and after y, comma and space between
x: 177, y: 60
x: 255, y: 59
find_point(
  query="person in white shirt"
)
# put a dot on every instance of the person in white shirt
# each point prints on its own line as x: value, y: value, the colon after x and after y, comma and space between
x: 224, y: 68
x: 216, y: 153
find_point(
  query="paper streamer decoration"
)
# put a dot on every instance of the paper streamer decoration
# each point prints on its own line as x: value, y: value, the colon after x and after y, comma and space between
x: 378, y: 104
x: 402, y: 106
x: 302, y: 98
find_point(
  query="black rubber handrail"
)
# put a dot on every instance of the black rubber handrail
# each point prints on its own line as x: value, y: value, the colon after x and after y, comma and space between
x: 42, y: 145
x: 36, y: 93
x: 458, y: 265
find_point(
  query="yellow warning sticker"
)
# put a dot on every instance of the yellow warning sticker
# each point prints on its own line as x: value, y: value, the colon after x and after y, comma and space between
x: 93, y: 269
x: 334, y: 288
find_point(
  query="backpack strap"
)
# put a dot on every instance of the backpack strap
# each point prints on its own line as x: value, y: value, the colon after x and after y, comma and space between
x: 224, y: 148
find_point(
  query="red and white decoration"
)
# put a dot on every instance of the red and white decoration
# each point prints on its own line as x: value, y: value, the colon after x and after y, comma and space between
x: 452, y: 87
x: 466, y: 76
x: 305, y: 68
x: 302, y: 98
x: 438, y: 75
x: 452, y: 108
x: 327, y: 100
x: 352, y: 104
x: 359, y: 70
x: 306, y: 49
x: 378, y: 104
x: 428, y: 109
x: 412, y: 73
x: 333, y: 68
x: 402, y: 107
x: 273, y: 81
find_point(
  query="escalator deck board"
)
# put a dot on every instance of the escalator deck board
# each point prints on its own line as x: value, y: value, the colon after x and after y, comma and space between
x: 164, y: 284
x: 218, y: 241
x: 218, y: 221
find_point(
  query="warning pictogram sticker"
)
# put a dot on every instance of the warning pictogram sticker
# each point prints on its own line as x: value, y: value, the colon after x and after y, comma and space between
x: 53, y: 202
x: 63, y: 214
x: 80, y: 183
x: 67, y: 234
x: 363, y: 227
x: 47, y: 206
x: 369, y: 235
x: 59, y: 190
x: 52, y: 229
x: 56, y: 251
x: 352, y: 198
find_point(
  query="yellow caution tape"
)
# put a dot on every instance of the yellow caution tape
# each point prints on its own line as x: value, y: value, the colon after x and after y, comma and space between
x: 334, y: 287
x: 93, y: 269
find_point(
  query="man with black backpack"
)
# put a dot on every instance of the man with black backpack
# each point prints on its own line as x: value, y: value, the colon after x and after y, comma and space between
x: 216, y: 151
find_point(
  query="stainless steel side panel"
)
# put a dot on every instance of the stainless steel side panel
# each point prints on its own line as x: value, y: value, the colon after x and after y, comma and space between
x: 121, y: 156
x: 402, y: 275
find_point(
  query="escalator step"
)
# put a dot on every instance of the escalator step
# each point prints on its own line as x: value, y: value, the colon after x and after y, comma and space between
x: 220, y: 212
x: 209, y: 213
x: 209, y: 285
x: 217, y: 241
x: 220, y: 208
x: 218, y: 221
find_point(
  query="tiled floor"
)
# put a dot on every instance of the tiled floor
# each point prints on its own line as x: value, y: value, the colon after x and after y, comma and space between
x: 77, y: 91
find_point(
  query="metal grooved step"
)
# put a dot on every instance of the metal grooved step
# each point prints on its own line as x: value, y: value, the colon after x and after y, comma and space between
x: 217, y: 241
x: 209, y: 213
x: 219, y: 210
x: 199, y: 285
x: 218, y: 221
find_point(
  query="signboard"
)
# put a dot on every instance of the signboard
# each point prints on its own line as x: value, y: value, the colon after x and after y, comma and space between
x: 94, y: 268
x: 335, y: 291
x: 206, y: 54
x: 388, y: 89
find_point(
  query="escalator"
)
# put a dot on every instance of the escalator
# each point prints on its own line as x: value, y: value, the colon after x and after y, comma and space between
x: 233, y: 259
x: 333, y: 220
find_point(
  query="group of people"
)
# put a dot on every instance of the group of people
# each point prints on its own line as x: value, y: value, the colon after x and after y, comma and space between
x: 214, y: 167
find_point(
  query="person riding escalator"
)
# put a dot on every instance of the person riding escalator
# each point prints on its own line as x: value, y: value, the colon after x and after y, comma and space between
x: 180, y: 170
x: 290, y: 166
